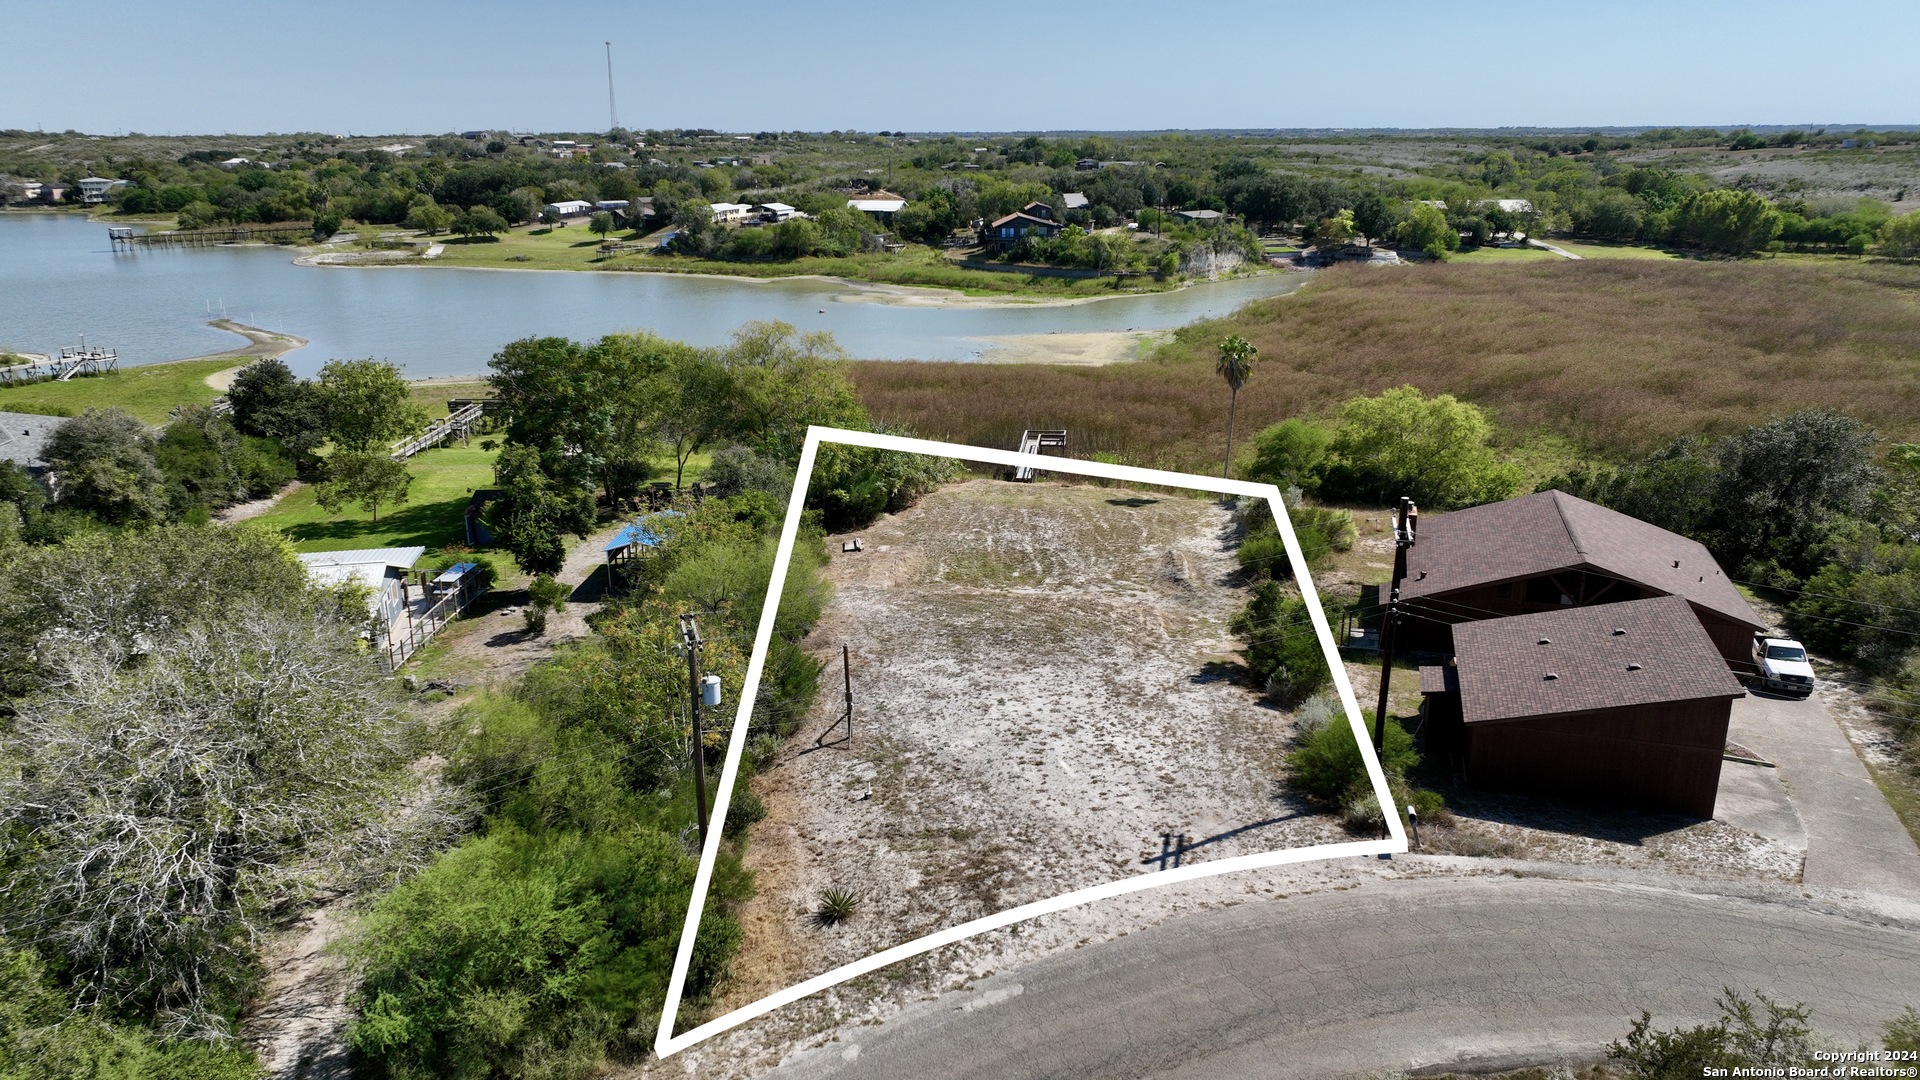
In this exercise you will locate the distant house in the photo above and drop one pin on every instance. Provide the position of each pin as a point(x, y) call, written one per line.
point(568, 209)
point(1198, 217)
point(1074, 200)
point(1624, 704)
point(729, 213)
point(880, 204)
point(1552, 550)
point(234, 163)
point(35, 191)
point(1038, 209)
point(1005, 232)
point(775, 212)
point(475, 136)
point(1086, 164)
point(23, 439)
point(95, 189)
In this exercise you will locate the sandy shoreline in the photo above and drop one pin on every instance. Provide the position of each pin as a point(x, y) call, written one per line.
point(261, 345)
point(1080, 349)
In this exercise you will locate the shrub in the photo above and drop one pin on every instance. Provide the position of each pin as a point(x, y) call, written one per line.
point(743, 811)
point(1283, 651)
point(1329, 769)
point(1289, 454)
point(1405, 443)
point(522, 953)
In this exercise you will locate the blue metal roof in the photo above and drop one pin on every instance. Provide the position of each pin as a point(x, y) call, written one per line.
point(647, 532)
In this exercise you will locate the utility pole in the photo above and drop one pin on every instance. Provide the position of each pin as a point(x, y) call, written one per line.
point(846, 672)
point(1406, 519)
point(613, 114)
point(690, 644)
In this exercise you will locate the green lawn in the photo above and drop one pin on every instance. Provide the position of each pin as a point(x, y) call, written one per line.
point(149, 391)
point(574, 248)
point(1500, 255)
point(1592, 249)
point(432, 517)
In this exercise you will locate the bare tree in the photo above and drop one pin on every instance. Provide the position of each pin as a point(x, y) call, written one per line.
point(156, 812)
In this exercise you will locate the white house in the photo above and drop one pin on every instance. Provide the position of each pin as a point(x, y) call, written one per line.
point(381, 571)
point(1074, 200)
point(729, 213)
point(94, 189)
point(881, 204)
point(776, 212)
point(568, 208)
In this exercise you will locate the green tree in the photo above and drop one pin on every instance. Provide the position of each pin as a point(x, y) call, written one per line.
point(479, 221)
point(371, 479)
point(428, 216)
point(1727, 220)
point(600, 224)
point(1900, 237)
point(270, 402)
point(103, 462)
point(1236, 367)
point(368, 404)
point(533, 512)
point(1374, 217)
point(780, 382)
point(1425, 229)
point(1433, 449)
point(1334, 231)
point(1781, 484)
point(591, 411)
point(1289, 454)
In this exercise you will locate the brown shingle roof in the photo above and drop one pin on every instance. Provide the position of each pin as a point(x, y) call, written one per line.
point(1019, 216)
point(1601, 657)
point(1552, 530)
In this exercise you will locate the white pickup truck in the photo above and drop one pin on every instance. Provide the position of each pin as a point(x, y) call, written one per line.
point(1783, 665)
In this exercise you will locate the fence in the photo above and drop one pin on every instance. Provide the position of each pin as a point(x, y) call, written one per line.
point(441, 602)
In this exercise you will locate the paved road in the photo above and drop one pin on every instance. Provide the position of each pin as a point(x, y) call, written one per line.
point(1394, 974)
point(1854, 841)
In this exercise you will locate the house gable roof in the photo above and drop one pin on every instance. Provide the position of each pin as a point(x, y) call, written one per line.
point(1552, 530)
point(1018, 215)
point(1574, 660)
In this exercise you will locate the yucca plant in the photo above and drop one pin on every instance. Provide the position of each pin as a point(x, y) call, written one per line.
point(837, 905)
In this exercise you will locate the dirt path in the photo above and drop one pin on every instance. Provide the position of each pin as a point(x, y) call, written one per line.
point(298, 1026)
point(261, 345)
point(256, 507)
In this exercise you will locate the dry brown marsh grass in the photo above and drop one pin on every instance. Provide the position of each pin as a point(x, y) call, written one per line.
point(1619, 355)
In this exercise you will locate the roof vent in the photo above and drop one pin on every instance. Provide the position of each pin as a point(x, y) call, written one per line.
point(1619, 630)
point(1550, 676)
point(1422, 577)
point(1546, 641)
point(1676, 564)
point(1633, 667)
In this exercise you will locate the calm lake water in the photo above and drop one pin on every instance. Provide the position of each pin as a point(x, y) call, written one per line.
point(59, 278)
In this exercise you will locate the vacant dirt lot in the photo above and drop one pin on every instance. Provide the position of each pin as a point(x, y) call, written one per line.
point(1043, 691)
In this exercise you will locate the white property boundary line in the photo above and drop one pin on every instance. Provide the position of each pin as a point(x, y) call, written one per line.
point(668, 1043)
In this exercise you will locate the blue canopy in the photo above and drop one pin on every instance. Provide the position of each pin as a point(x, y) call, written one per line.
point(649, 531)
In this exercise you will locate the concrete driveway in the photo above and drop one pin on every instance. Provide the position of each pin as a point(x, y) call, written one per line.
point(1854, 842)
point(1391, 975)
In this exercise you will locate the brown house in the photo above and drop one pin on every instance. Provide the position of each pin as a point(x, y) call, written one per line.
point(1625, 704)
point(1550, 550)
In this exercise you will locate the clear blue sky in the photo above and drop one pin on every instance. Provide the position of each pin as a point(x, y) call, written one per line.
point(211, 66)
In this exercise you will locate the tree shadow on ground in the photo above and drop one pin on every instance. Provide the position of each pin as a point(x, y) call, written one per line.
point(1135, 501)
point(424, 524)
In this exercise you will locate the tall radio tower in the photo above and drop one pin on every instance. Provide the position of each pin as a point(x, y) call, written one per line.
point(613, 114)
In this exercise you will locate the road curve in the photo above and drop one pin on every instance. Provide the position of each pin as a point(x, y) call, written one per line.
point(1389, 975)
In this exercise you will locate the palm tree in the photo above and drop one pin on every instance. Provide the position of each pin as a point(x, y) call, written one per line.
point(1235, 366)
